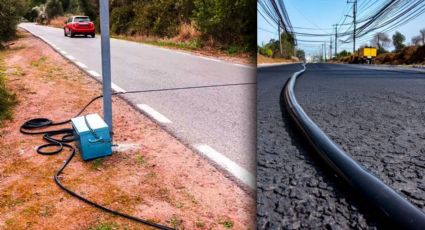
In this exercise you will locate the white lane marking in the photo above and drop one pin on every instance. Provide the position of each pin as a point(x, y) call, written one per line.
point(210, 59)
point(113, 85)
point(80, 64)
point(70, 57)
point(117, 88)
point(153, 113)
point(232, 167)
point(94, 73)
point(63, 52)
point(245, 66)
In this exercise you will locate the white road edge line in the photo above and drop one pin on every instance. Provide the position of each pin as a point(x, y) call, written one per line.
point(63, 52)
point(153, 113)
point(80, 64)
point(94, 73)
point(189, 54)
point(232, 167)
point(70, 57)
point(113, 85)
point(117, 88)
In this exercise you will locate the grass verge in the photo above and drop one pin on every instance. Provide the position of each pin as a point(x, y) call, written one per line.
point(7, 99)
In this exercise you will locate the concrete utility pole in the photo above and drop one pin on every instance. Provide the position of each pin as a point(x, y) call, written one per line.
point(280, 42)
point(336, 39)
point(354, 23)
point(324, 49)
point(106, 62)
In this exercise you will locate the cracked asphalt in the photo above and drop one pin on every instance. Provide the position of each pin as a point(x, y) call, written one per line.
point(375, 115)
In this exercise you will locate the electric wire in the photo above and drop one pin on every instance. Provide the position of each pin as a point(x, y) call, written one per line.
point(33, 126)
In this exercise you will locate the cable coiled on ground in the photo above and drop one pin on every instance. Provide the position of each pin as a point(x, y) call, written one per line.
point(33, 126)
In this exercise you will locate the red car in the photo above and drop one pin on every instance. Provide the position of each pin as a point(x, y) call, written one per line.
point(79, 25)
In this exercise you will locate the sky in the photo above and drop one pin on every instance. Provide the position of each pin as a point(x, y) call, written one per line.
point(319, 16)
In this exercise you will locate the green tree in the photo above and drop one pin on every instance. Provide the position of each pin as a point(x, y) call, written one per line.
point(422, 31)
point(53, 9)
point(398, 40)
point(65, 5)
point(121, 18)
point(227, 21)
point(343, 53)
point(10, 13)
point(381, 40)
point(88, 8)
point(300, 54)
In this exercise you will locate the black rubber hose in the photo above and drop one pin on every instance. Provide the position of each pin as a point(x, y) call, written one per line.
point(392, 205)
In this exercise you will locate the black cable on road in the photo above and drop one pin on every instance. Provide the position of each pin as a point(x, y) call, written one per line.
point(391, 205)
point(33, 127)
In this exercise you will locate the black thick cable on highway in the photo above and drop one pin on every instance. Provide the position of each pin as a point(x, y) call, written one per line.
point(33, 126)
point(391, 205)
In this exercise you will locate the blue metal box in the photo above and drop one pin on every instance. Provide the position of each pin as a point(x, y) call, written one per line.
point(92, 136)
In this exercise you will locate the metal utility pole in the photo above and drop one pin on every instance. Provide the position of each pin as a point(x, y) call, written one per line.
point(336, 39)
point(354, 23)
point(106, 62)
point(330, 49)
point(280, 42)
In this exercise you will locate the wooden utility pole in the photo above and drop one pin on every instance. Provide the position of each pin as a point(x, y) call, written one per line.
point(280, 41)
point(354, 23)
point(336, 39)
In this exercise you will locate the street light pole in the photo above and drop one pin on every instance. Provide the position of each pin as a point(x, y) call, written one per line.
point(106, 62)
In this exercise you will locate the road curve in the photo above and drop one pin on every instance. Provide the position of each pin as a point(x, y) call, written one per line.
point(215, 121)
point(295, 190)
point(394, 207)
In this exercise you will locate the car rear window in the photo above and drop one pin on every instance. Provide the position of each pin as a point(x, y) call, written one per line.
point(82, 19)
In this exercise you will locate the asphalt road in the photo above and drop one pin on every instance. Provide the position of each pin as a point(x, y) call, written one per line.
point(217, 121)
point(375, 115)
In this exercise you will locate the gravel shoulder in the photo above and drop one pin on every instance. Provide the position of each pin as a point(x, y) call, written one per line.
point(154, 177)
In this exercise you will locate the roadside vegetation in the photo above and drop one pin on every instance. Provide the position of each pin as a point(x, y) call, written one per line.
point(7, 99)
point(10, 14)
point(403, 54)
point(227, 26)
point(272, 53)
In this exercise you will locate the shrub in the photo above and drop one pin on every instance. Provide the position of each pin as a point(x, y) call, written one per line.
point(7, 99)
point(121, 18)
point(419, 56)
point(53, 9)
point(227, 21)
point(11, 12)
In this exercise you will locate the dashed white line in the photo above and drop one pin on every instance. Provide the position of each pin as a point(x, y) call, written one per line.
point(117, 88)
point(153, 113)
point(94, 73)
point(63, 52)
point(80, 64)
point(232, 167)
